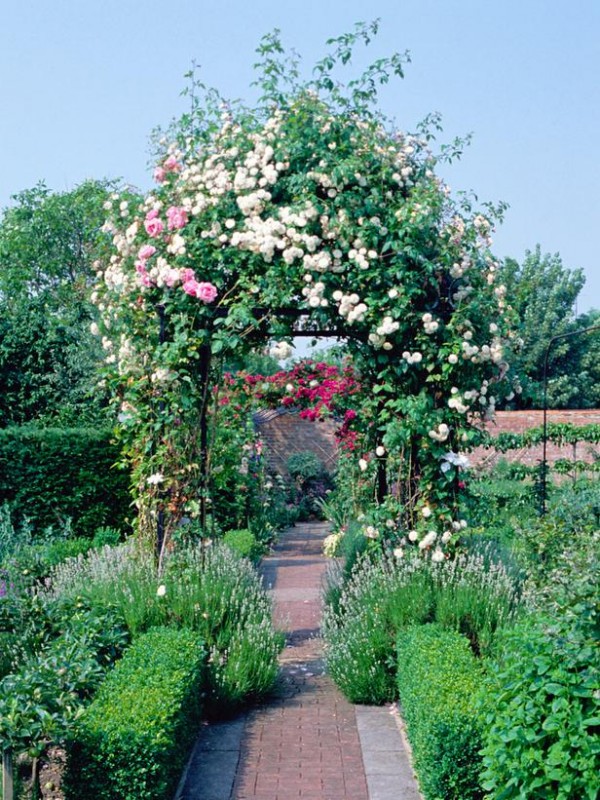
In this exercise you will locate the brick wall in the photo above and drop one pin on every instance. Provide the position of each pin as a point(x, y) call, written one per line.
point(520, 421)
point(284, 433)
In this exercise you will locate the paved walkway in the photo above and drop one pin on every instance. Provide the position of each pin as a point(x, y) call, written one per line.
point(308, 741)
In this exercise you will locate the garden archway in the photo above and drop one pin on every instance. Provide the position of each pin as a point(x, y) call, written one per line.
point(307, 206)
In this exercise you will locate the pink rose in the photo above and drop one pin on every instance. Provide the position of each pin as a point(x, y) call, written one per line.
point(190, 286)
point(143, 277)
point(177, 217)
point(171, 164)
point(171, 277)
point(203, 291)
point(160, 175)
point(153, 225)
point(147, 251)
point(206, 292)
point(187, 274)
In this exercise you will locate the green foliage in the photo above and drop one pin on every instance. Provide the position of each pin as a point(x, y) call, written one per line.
point(305, 466)
point(66, 650)
point(560, 433)
point(505, 516)
point(207, 589)
point(244, 543)
point(33, 563)
point(48, 356)
point(107, 536)
point(544, 716)
point(132, 742)
point(542, 294)
point(576, 506)
point(543, 708)
point(470, 594)
point(311, 483)
point(438, 681)
point(50, 475)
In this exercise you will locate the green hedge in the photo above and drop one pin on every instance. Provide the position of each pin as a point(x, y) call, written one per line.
point(132, 742)
point(51, 474)
point(438, 680)
point(244, 543)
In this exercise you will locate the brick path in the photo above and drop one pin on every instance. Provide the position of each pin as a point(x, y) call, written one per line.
point(305, 743)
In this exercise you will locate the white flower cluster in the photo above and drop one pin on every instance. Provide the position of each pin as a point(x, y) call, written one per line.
point(314, 294)
point(281, 351)
point(458, 269)
point(441, 433)
point(412, 358)
point(162, 375)
point(371, 532)
point(428, 540)
point(429, 323)
point(457, 403)
point(360, 255)
point(387, 328)
point(350, 306)
point(452, 459)
point(331, 543)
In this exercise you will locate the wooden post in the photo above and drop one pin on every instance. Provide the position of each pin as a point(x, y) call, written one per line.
point(7, 775)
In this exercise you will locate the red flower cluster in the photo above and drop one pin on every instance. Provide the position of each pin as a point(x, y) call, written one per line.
point(317, 389)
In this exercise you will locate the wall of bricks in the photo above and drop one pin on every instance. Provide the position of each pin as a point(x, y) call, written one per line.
point(520, 421)
point(285, 433)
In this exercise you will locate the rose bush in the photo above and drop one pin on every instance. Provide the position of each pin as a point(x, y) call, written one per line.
point(306, 209)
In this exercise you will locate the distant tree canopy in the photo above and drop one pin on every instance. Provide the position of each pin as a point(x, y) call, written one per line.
point(48, 357)
point(543, 293)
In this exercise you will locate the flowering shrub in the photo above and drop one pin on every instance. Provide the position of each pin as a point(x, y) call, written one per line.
point(307, 207)
point(207, 589)
point(384, 594)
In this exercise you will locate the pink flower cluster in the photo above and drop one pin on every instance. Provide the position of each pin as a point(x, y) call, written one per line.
point(153, 224)
point(201, 289)
point(176, 218)
point(170, 164)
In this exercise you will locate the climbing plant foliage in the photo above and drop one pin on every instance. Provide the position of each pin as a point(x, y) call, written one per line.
point(307, 208)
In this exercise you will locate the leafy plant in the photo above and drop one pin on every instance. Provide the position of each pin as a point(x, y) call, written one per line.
point(205, 588)
point(61, 666)
point(543, 708)
point(244, 543)
point(51, 475)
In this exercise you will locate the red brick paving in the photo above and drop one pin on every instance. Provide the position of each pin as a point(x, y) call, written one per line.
point(305, 743)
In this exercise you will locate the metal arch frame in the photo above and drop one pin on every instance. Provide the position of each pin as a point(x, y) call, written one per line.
point(544, 463)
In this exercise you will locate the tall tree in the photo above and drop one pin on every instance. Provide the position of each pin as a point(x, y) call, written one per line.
point(48, 245)
point(542, 293)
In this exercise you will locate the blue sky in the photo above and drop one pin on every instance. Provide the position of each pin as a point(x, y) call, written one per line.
point(82, 84)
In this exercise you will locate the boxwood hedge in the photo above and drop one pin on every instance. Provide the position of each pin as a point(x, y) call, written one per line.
point(132, 741)
point(438, 681)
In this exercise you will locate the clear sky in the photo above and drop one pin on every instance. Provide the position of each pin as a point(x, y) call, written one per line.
point(83, 83)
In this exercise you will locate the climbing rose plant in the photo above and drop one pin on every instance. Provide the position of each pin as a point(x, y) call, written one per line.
point(309, 203)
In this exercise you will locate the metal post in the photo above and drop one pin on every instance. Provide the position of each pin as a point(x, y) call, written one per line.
point(160, 519)
point(205, 362)
point(544, 464)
